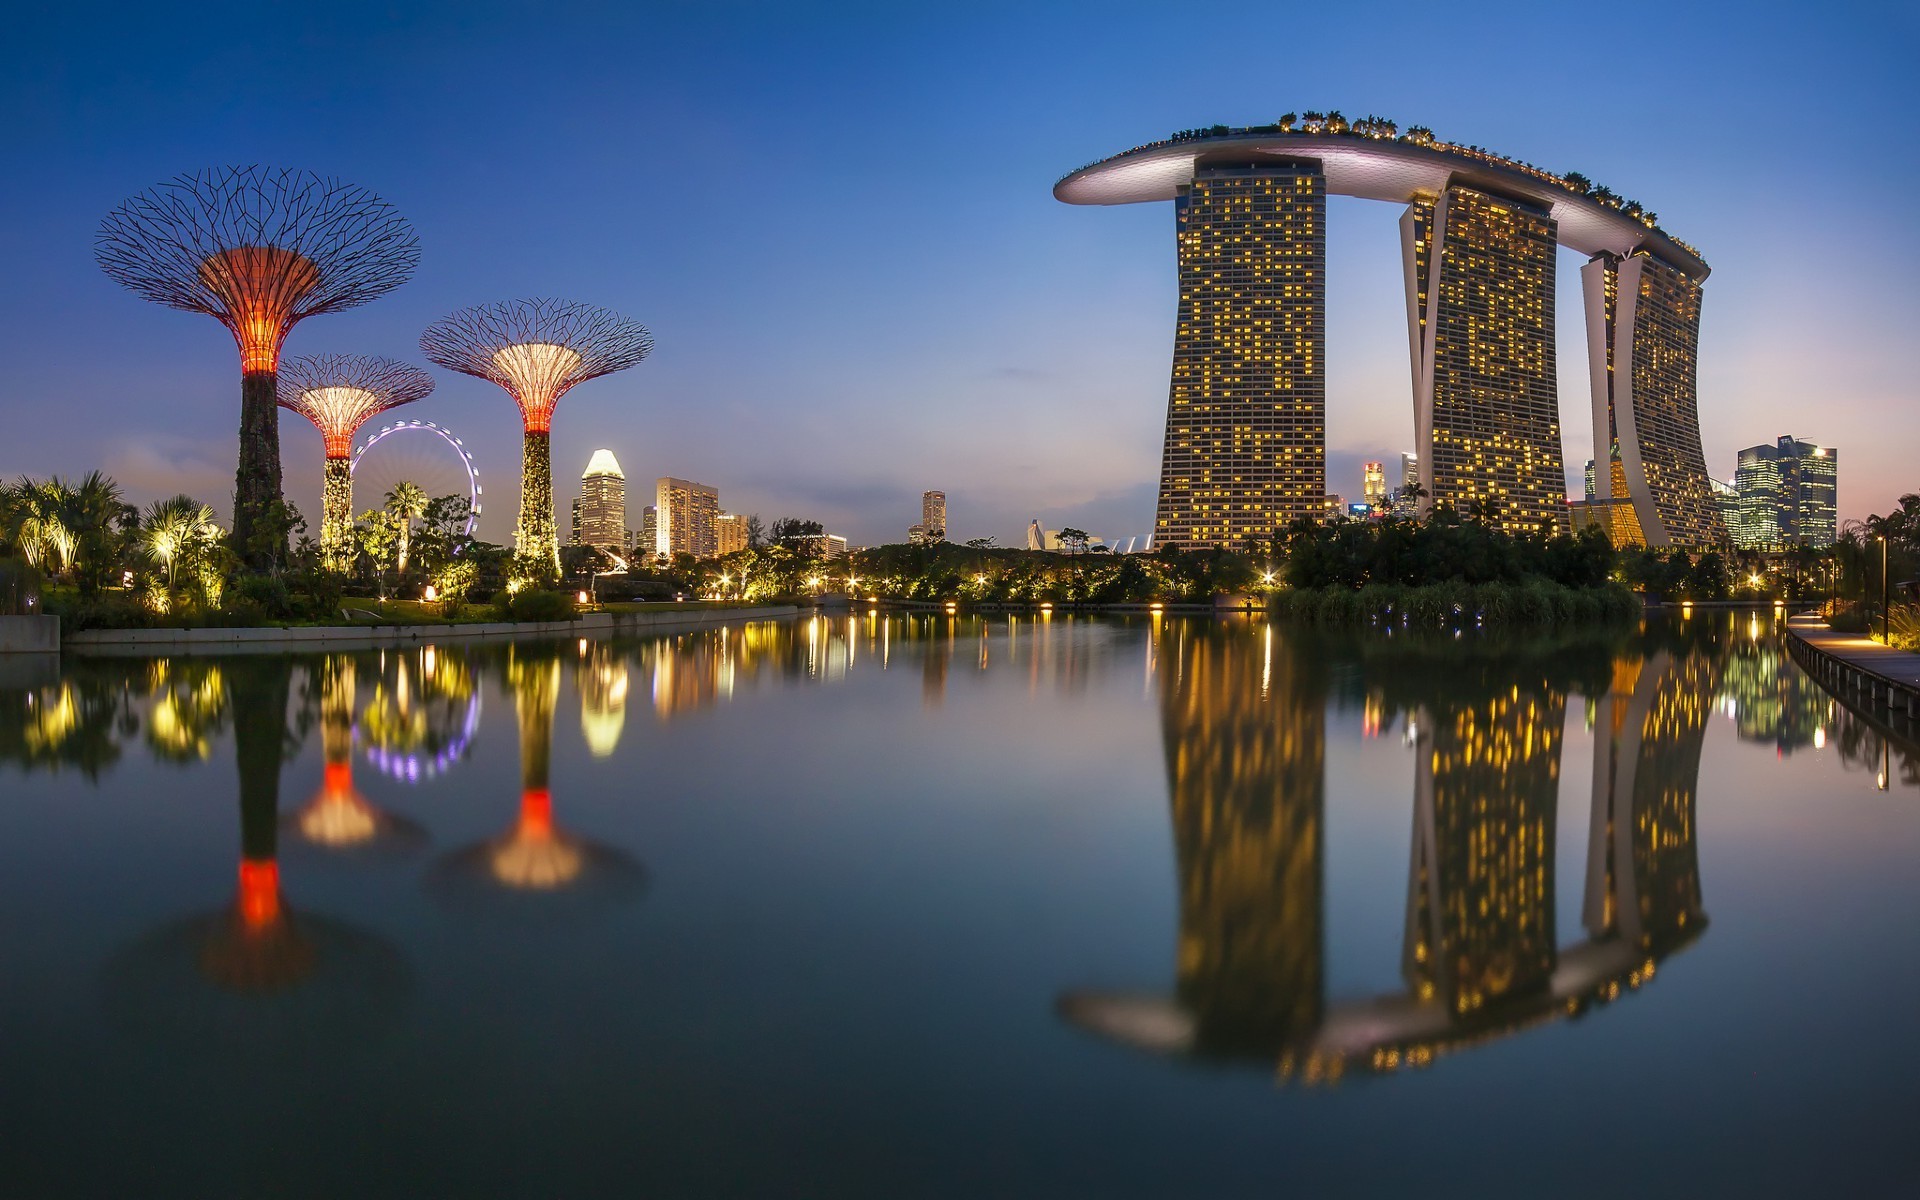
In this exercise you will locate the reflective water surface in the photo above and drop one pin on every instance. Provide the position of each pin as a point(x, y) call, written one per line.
point(924, 905)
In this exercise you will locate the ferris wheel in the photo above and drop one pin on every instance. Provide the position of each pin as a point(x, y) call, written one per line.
point(421, 453)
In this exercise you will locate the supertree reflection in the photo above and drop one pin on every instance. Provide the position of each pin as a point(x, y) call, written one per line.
point(536, 857)
point(255, 975)
point(339, 818)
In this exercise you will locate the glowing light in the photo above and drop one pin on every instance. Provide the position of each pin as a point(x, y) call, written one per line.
point(1820, 737)
point(581, 597)
point(258, 288)
point(538, 374)
point(430, 593)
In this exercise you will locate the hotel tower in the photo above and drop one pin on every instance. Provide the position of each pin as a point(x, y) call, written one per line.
point(1245, 451)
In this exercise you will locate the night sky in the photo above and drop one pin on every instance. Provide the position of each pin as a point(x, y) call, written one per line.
point(838, 222)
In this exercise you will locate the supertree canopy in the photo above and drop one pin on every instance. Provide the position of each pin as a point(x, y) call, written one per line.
point(339, 393)
point(536, 350)
point(258, 249)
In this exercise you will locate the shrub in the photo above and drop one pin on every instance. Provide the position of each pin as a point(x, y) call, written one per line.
point(530, 605)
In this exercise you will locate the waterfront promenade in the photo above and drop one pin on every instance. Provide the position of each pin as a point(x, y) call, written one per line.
point(1857, 668)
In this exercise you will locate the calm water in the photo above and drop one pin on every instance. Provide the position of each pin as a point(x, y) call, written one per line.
point(931, 906)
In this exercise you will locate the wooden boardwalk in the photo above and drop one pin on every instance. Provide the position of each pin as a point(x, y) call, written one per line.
point(1860, 671)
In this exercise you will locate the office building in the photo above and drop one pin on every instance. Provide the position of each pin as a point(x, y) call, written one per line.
point(646, 539)
point(916, 535)
point(688, 514)
point(730, 533)
point(600, 515)
point(933, 516)
point(1788, 495)
point(1373, 488)
point(820, 545)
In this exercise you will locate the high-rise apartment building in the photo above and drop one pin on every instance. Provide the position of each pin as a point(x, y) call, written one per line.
point(688, 514)
point(601, 517)
point(1479, 270)
point(1373, 488)
point(1245, 450)
point(933, 516)
point(1643, 330)
point(1788, 495)
point(730, 533)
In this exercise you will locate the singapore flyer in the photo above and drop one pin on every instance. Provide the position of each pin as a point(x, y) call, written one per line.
point(421, 453)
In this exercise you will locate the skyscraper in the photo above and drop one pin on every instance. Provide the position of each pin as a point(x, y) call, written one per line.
point(646, 539)
point(1374, 488)
point(1788, 495)
point(1245, 451)
point(1479, 271)
point(601, 518)
point(685, 523)
point(933, 516)
point(730, 533)
point(1643, 329)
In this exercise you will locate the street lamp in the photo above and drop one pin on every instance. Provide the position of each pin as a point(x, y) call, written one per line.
point(1886, 594)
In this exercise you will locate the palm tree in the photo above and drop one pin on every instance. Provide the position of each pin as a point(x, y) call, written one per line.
point(173, 532)
point(36, 526)
point(92, 510)
point(405, 502)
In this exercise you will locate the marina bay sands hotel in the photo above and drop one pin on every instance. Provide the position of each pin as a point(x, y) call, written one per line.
point(1245, 451)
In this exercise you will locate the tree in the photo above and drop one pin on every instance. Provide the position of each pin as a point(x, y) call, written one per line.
point(404, 503)
point(801, 537)
point(1073, 540)
point(756, 532)
point(981, 543)
point(36, 524)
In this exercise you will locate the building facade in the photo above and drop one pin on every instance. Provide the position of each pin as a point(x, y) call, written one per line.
point(1643, 330)
point(1245, 451)
point(601, 517)
point(1788, 495)
point(933, 516)
point(730, 533)
point(1373, 488)
point(1479, 272)
point(687, 518)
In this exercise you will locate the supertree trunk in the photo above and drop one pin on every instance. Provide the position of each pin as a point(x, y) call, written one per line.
point(336, 521)
point(256, 485)
point(535, 537)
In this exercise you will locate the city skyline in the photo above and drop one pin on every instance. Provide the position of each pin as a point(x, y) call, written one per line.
point(1077, 351)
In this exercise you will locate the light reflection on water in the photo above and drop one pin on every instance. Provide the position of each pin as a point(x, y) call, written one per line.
point(850, 868)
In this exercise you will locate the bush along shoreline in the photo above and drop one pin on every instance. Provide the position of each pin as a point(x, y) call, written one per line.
point(1459, 606)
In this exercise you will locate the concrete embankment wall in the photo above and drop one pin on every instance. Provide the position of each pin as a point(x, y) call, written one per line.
point(29, 635)
point(362, 637)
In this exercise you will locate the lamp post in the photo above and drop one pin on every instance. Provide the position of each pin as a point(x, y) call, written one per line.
point(1885, 594)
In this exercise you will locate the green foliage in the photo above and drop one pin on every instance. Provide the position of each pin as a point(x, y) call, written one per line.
point(453, 582)
point(531, 604)
point(20, 585)
point(1455, 605)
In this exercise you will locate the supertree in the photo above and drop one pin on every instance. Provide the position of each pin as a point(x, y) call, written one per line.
point(537, 350)
point(339, 393)
point(258, 249)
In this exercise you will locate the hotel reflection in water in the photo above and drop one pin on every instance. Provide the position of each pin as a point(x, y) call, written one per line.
point(1243, 712)
point(1243, 720)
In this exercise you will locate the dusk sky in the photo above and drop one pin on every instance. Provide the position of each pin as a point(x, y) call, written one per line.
point(838, 222)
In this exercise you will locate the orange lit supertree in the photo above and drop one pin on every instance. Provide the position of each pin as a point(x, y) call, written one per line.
point(339, 393)
point(258, 249)
point(536, 350)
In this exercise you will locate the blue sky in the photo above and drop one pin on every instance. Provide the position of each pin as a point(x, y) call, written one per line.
point(838, 221)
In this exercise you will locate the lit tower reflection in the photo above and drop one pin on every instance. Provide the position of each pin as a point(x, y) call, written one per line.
point(1243, 724)
point(603, 698)
point(339, 817)
point(536, 856)
point(1480, 895)
point(1242, 719)
point(278, 978)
